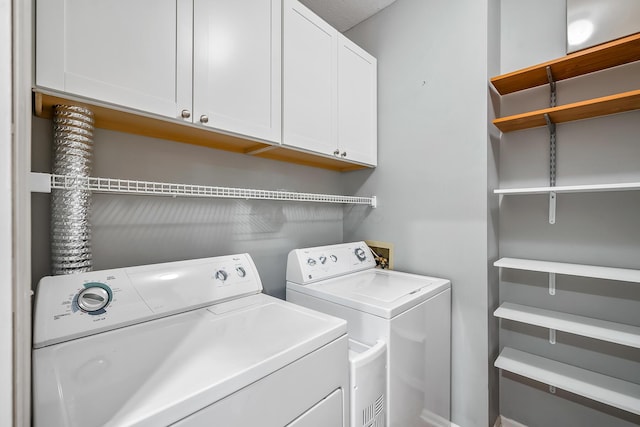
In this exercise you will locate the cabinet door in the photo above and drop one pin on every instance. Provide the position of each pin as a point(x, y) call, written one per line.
point(129, 53)
point(357, 103)
point(309, 75)
point(237, 66)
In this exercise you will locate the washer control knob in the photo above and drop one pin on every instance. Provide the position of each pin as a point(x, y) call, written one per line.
point(333, 258)
point(204, 119)
point(323, 259)
point(311, 262)
point(185, 114)
point(221, 275)
point(93, 298)
point(241, 271)
point(360, 254)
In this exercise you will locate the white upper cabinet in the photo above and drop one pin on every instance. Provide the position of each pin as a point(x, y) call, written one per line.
point(215, 63)
point(310, 80)
point(129, 53)
point(329, 89)
point(237, 66)
point(357, 103)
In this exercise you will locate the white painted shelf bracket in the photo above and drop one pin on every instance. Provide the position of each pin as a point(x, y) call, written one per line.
point(552, 207)
point(44, 183)
point(552, 336)
point(552, 389)
point(552, 283)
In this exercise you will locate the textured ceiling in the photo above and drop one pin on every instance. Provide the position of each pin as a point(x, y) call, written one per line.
point(344, 14)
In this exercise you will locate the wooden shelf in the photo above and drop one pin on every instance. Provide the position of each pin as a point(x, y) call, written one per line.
point(139, 123)
point(607, 55)
point(601, 388)
point(592, 188)
point(582, 270)
point(606, 105)
point(579, 325)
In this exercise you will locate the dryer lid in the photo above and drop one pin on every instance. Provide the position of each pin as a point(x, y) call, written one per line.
point(382, 293)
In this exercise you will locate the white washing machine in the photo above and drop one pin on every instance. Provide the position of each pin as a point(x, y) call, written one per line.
point(411, 313)
point(190, 343)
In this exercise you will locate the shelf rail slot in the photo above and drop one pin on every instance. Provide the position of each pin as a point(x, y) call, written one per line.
point(552, 88)
point(552, 166)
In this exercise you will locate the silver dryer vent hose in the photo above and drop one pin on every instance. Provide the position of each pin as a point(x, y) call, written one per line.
point(70, 209)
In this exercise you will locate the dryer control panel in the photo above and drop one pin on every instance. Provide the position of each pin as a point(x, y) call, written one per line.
point(76, 305)
point(309, 265)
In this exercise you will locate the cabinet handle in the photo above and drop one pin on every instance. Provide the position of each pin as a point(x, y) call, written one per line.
point(337, 152)
point(204, 119)
point(186, 114)
point(344, 154)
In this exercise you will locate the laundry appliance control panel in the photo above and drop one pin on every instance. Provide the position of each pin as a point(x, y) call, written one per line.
point(310, 265)
point(76, 305)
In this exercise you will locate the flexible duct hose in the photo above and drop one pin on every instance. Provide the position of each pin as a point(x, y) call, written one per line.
point(70, 209)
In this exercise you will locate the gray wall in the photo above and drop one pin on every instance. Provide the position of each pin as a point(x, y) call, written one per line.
point(591, 228)
point(134, 230)
point(435, 164)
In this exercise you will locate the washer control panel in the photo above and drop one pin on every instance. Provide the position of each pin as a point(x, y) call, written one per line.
point(72, 306)
point(309, 265)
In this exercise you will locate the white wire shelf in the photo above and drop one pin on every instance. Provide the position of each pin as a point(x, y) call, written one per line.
point(44, 183)
point(602, 388)
point(603, 330)
point(583, 270)
point(594, 188)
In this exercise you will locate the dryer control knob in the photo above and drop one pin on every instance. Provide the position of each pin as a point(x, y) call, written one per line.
point(93, 299)
point(323, 259)
point(311, 262)
point(333, 258)
point(360, 254)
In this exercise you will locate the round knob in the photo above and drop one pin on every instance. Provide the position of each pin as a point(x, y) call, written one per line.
point(93, 298)
point(204, 119)
point(323, 259)
point(311, 262)
point(360, 254)
point(186, 114)
point(333, 258)
point(335, 153)
point(241, 271)
point(221, 275)
point(344, 154)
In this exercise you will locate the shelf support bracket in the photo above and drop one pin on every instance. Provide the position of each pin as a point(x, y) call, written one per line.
point(552, 168)
point(552, 336)
point(552, 389)
point(552, 283)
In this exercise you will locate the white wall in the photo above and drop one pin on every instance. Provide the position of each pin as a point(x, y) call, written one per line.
point(134, 230)
point(6, 266)
point(432, 176)
point(595, 228)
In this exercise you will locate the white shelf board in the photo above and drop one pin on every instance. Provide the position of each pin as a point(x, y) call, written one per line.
point(602, 388)
point(611, 273)
point(585, 326)
point(44, 183)
point(627, 186)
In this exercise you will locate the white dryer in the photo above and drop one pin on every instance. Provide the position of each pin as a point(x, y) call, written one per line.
point(411, 313)
point(190, 343)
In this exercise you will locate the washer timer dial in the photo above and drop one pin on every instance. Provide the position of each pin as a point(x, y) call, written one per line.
point(94, 298)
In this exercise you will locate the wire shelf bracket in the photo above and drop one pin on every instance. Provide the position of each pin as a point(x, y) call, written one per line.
point(44, 183)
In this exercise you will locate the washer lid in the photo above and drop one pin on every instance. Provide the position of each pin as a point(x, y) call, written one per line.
point(159, 372)
point(383, 293)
